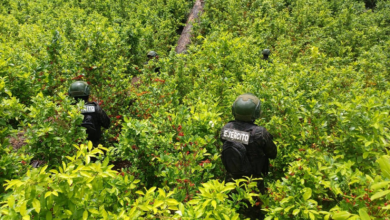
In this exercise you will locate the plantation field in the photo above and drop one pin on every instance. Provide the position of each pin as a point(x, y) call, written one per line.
point(324, 98)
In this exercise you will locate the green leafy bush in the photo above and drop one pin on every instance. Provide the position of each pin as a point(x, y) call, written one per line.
point(81, 189)
point(53, 126)
point(324, 99)
point(12, 163)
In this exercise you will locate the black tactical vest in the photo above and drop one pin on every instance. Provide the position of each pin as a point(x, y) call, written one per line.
point(260, 142)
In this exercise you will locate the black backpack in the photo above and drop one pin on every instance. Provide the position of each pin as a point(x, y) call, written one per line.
point(234, 153)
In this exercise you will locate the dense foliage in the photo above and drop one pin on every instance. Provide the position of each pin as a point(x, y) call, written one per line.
point(325, 99)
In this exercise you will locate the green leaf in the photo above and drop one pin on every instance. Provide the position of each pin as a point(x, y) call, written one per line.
point(93, 211)
point(106, 161)
point(132, 211)
point(296, 211)
point(11, 202)
point(312, 217)
point(12, 183)
point(181, 208)
point(49, 216)
point(363, 214)
point(162, 192)
point(54, 193)
point(384, 164)
point(214, 204)
point(288, 208)
point(47, 194)
point(380, 185)
point(285, 200)
point(82, 173)
point(228, 188)
point(326, 217)
point(225, 216)
point(104, 213)
point(43, 169)
point(341, 215)
point(235, 217)
point(278, 209)
point(90, 145)
point(199, 213)
point(172, 202)
point(22, 209)
point(307, 193)
point(368, 143)
point(380, 194)
point(143, 208)
point(157, 203)
point(140, 192)
point(387, 207)
point(85, 215)
point(151, 190)
point(37, 205)
point(193, 202)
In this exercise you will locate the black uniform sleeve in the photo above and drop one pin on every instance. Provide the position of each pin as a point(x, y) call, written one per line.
point(269, 147)
point(103, 118)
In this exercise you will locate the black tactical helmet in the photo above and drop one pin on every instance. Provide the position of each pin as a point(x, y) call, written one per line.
point(246, 107)
point(266, 52)
point(79, 89)
point(152, 54)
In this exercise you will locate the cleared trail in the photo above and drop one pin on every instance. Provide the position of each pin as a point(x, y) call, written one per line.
point(185, 37)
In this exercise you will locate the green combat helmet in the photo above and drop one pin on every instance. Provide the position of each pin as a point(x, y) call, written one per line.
point(246, 107)
point(79, 89)
point(152, 54)
point(266, 52)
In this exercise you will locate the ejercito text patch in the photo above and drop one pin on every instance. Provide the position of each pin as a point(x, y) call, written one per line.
point(235, 135)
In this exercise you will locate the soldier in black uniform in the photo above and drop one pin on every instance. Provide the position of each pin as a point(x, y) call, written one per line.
point(94, 116)
point(247, 147)
point(266, 53)
point(153, 57)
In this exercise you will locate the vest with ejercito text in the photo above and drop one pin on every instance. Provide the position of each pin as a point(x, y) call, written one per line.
point(258, 142)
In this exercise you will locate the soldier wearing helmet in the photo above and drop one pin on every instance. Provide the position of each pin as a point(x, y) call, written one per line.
point(153, 58)
point(94, 116)
point(266, 53)
point(152, 54)
point(247, 147)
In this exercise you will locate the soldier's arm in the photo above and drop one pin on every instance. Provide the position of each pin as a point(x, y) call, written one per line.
point(266, 141)
point(105, 119)
point(270, 148)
